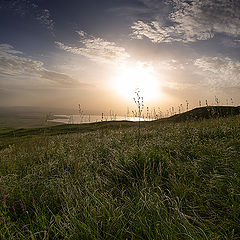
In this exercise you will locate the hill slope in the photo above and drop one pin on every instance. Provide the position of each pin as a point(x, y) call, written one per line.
point(204, 113)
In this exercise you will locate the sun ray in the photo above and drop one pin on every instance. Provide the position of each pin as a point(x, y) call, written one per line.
point(142, 77)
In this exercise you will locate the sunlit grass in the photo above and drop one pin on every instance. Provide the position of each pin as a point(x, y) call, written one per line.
point(182, 182)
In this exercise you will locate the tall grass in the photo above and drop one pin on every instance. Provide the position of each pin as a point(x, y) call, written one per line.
point(92, 185)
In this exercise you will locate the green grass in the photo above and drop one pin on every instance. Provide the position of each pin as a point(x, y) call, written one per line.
point(10, 136)
point(95, 182)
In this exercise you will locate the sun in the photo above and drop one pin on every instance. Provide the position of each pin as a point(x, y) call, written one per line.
point(141, 77)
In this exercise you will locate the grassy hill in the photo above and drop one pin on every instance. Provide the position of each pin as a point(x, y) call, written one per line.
point(173, 180)
point(204, 113)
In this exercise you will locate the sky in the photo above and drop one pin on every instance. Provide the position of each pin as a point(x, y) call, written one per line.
point(99, 53)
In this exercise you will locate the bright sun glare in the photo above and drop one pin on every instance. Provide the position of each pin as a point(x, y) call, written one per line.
point(140, 77)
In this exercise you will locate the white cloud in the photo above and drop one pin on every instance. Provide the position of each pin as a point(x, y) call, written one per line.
point(11, 64)
point(45, 19)
point(191, 21)
point(7, 49)
point(81, 33)
point(14, 66)
point(97, 49)
point(219, 72)
point(154, 31)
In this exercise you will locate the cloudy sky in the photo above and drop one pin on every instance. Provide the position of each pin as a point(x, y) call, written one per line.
point(61, 53)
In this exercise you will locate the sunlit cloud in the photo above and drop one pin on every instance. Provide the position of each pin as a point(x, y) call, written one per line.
point(97, 49)
point(219, 71)
point(190, 21)
point(211, 73)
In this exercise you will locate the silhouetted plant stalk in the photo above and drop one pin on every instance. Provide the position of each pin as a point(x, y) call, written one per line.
point(187, 104)
point(217, 101)
point(80, 111)
point(181, 106)
point(160, 113)
point(140, 105)
point(139, 102)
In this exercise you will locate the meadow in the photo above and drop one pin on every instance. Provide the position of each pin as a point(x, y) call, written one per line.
point(170, 180)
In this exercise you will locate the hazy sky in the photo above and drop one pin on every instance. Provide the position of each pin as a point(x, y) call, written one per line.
point(61, 53)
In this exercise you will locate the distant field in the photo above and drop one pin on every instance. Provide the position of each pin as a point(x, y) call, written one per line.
point(105, 181)
point(23, 117)
point(23, 121)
